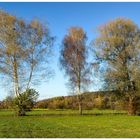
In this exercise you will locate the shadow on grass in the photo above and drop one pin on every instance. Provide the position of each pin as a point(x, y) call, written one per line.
point(74, 114)
point(99, 114)
point(58, 113)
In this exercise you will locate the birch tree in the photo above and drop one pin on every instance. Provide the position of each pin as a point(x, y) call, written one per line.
point(73, 60)
point(24, 53)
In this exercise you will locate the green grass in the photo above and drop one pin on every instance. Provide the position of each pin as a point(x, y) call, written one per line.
point(68, 124)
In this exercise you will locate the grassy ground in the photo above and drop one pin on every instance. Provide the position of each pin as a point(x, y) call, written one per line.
point(67, 124)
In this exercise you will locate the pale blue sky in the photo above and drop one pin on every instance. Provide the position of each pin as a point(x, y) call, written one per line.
point(60, 16)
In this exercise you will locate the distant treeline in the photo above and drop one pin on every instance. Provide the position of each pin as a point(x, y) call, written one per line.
point(90, 100)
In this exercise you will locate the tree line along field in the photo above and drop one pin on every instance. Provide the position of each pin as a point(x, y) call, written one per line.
point(90, 100)
point(69, 124)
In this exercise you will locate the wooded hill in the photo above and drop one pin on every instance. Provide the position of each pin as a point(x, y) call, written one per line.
point(90, 100)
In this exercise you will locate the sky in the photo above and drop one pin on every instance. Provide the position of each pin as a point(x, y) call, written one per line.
point(60, 16)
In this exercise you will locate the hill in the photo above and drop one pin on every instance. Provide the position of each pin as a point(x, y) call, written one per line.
point(90, 100)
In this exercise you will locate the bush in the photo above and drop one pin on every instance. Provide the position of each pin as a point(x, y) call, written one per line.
point(26, 100)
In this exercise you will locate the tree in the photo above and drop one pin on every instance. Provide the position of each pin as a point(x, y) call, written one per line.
point(24, 53)
point(73, 60)
point(28, 99)
point(8, 102)
point(118, 45)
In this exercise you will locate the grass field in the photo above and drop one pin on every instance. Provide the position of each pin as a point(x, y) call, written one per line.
point(68, 124)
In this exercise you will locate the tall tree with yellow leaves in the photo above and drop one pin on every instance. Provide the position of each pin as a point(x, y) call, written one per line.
point(118, 44)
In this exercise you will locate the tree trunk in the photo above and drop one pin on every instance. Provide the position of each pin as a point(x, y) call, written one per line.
point(131, 106)
point(80, 104)
point(21, 111)
point(80, 109)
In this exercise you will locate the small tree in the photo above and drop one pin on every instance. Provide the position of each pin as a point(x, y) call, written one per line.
point(73, 60)
point(118, 45)
point(28, 99)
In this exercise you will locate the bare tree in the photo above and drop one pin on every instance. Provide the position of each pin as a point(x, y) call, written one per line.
point(24, 52)
point(73, 60)
point(118, 44)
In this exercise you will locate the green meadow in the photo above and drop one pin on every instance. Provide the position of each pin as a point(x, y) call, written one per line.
point(68, 124)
